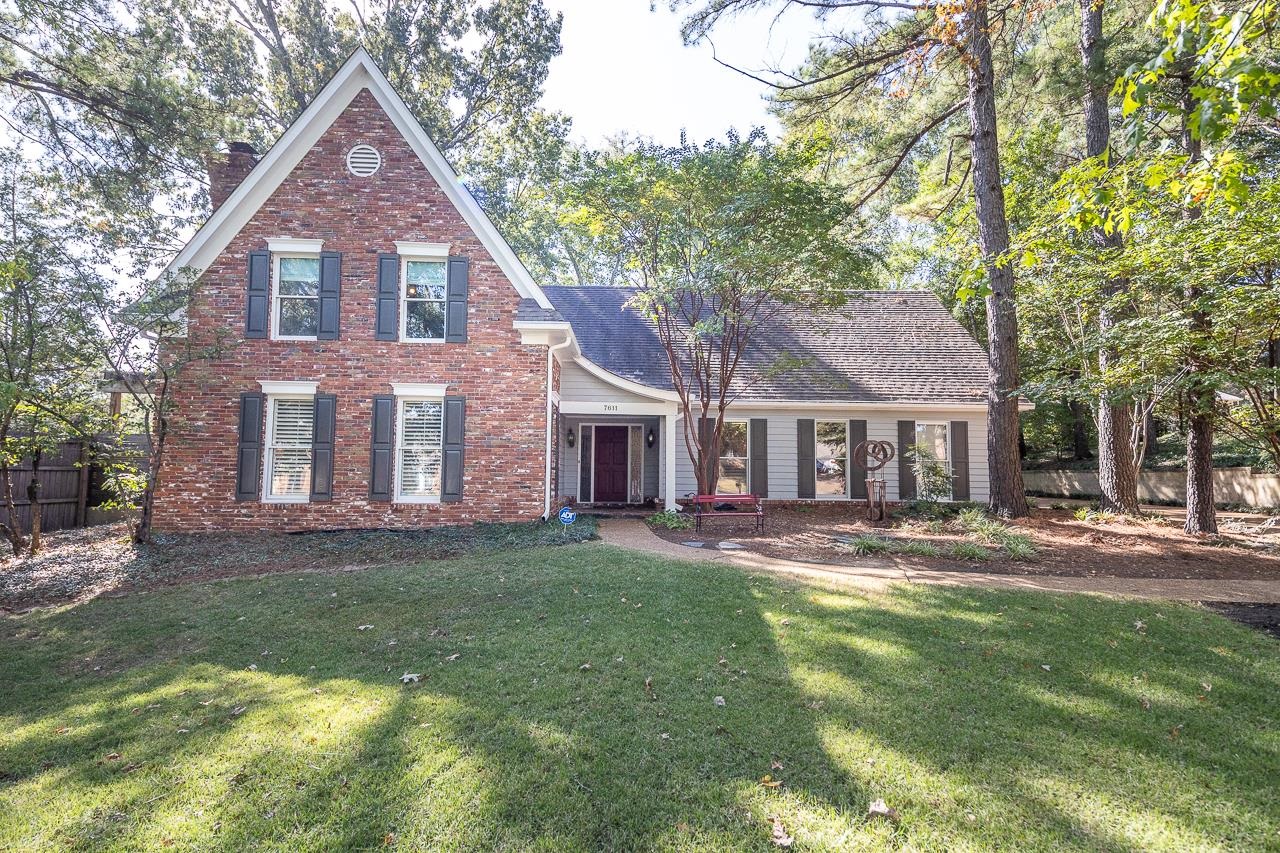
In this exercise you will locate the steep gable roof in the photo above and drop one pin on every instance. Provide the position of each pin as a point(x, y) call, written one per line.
point(897, 346)
point(358, 73)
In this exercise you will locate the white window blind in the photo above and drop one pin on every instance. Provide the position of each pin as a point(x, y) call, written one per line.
point(421, 435)
point(289, 449)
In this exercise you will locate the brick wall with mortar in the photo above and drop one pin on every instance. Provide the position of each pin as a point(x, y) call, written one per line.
point(503, 380)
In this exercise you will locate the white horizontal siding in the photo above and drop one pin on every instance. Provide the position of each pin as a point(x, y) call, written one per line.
point(882, 425)
point(580, 386)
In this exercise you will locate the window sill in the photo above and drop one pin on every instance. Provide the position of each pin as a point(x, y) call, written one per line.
point(422, 341)
point(406, 499)
point(286, 500)
point(293, 339)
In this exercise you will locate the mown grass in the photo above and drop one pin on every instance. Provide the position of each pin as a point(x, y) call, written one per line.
point(567, 701)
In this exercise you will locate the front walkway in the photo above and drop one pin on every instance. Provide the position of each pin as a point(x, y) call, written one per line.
point(876, 574)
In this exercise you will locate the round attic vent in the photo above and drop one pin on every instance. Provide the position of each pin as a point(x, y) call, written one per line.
point(363, 160)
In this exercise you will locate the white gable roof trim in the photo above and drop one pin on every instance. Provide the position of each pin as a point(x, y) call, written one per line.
point(357, 73)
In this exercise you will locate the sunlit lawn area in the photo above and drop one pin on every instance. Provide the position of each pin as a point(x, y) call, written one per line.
point(255, 712)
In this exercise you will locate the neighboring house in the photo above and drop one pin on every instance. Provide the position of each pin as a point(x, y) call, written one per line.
point(391, 363)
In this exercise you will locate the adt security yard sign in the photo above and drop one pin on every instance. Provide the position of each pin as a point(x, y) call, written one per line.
point(568, 516)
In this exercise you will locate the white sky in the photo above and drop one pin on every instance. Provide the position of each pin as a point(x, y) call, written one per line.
point(624, 68)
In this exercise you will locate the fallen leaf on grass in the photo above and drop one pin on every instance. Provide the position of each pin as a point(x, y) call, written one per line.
point(453, 657)
point(648, 689)
point(363, 627)
point(779, 834)
point(237, 710)
point(775, 764)
point(1175, 732)
point(1045, 667)
point(719, 701)
point(1206, 686)
point(1145, 703)
point(585, 666)
point(63, 730)
point(410, 677)
point(767, 781)
point(112, 756)
point(880, 809)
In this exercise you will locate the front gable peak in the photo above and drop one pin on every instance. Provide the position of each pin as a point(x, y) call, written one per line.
point(357, 74)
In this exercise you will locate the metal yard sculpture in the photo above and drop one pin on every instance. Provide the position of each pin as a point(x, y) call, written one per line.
point(875, 455)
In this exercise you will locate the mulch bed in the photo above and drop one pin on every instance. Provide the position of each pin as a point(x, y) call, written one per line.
point(1263, 617)
point(78, 564)
point(1064, 546)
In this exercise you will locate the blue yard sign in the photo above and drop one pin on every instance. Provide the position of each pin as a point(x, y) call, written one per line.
point(568, 516)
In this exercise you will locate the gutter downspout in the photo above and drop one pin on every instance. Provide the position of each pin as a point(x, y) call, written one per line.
point(546, 476)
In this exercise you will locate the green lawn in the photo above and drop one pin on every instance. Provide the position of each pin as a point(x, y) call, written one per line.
point(987, 720)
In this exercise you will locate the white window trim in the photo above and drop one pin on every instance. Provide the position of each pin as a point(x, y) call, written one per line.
point(951, 496)
point(720, 457)
point(419, 391)
point(268, 450)
point(275, 291)
point(845, 496)
point(397, 497)
point(429, 257)
point(288, 245)
point(423, 251)
point(288, 389)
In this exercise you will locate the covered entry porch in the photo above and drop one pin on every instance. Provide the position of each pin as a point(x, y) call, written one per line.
point(617, 454)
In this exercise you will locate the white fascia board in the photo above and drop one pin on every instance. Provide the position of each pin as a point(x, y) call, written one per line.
point(291, 245)
point(625, 384)
point(814, 405)
point(419, 389)
point(303, 389)
point(357, 73)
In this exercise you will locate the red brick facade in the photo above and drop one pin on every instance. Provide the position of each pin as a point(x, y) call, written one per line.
point(503, 380)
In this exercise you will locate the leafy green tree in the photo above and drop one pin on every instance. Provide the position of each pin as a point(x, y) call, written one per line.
point(719, 239)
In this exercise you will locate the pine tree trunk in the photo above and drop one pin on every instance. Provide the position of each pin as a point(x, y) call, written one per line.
point(1008, 497)
point(1080, 449)
point(1201, 515)
point(1117, 474)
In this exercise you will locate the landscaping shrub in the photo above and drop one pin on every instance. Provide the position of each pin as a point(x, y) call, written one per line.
point(993, 531)
point(918, 548)
point(866, 545)
point(969, 551)
point(671, 520)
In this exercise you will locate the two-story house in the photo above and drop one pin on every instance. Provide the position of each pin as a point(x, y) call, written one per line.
point(393, 364)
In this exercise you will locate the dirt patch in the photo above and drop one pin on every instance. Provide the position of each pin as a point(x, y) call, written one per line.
point(1064, 546)
point(1263, 617)
point(79, 564)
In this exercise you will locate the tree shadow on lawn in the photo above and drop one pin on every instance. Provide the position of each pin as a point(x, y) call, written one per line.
point(933, 699)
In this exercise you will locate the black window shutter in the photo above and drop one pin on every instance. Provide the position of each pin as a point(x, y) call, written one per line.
point(455, 326)
point(259, 299)
point(330, 295)
point(857, 464)
point(249, 447)
point(387, 320)
point(384, 441)
point(586, 436)
point(906, 477)
point(960, 460)
point(758, 454)
point(455, 423)
point(806, 459)
point(322, 447)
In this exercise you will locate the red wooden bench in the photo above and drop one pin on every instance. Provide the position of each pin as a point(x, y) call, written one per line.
point(704, 507)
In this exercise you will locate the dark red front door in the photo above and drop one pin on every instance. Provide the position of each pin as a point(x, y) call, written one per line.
point(611, 464)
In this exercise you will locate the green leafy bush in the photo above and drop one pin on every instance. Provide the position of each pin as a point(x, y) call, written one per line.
point(671, 520)
point(866, 545)
point(918, 548)
point(969, 551)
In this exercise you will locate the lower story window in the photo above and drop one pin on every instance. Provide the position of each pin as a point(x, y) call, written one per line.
point(733, 459)
point(831, 442)
point(418, 450)
point(291, 421)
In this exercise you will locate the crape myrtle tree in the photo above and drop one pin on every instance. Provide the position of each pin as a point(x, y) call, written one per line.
point(719, 239)
point(939, 54)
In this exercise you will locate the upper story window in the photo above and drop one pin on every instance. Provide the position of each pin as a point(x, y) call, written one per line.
point(424, 278)
point(424, 300)
point(295, 294)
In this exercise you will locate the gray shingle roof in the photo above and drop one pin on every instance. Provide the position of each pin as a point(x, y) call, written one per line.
point(530, 311)
point(881, 346)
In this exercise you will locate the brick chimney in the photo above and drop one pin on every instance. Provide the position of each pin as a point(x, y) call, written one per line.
point(226, 171)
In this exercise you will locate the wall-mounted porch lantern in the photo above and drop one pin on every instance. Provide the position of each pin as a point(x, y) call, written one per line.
point(650, 438)
point(569, 439)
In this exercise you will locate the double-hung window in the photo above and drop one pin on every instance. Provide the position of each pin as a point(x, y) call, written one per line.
point(419, 448)
point(831, 445)
point(287, 469)
point(423, 285)
point(733, 459)
point(295, 295)
point(935, 438)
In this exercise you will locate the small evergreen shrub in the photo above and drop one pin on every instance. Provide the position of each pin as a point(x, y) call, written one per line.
point(671, 520)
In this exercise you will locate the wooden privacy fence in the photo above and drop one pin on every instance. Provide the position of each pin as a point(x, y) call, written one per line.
point(70, 483)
